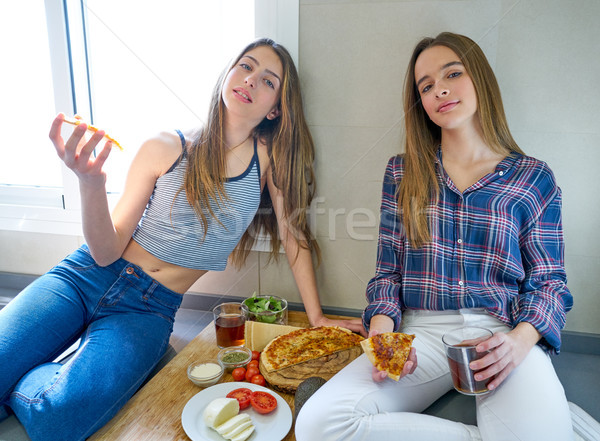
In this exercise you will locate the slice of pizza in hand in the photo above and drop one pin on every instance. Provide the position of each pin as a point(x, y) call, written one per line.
point(388, 352)
point(78, 120)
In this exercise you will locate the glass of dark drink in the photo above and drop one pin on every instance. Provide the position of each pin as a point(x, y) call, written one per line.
point(229, 324)
point(460, 350)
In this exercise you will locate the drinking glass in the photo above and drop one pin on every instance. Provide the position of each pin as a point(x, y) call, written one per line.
point(460, 350)
point(229, 324)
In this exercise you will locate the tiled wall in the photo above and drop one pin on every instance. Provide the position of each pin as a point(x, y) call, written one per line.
point(353, 57)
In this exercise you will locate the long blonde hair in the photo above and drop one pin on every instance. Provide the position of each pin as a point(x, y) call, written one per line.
point(291, 152)
point(419, 187)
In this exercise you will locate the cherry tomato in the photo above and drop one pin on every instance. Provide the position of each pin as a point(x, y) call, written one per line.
point(239, 374)
point(258, 379)
point(251, 372)
point(263, 402)
point(243, 395)
point(253, 363)
point(255, 355)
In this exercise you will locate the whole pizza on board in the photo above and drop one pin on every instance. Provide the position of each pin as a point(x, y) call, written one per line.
point(306, 344)
point(289, 359)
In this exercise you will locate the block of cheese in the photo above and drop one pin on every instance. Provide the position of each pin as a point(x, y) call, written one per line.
point(258, 335)
point(220, 410)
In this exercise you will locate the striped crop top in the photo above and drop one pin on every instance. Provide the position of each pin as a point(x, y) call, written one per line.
point(171, 231)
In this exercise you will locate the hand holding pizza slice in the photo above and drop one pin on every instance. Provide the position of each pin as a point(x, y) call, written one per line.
point(77, 120)
point(388, 352)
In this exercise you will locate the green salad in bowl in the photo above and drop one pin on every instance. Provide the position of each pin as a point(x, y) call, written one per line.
point(266, 309)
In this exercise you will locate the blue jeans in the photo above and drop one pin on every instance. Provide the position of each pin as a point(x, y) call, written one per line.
point(124, 319)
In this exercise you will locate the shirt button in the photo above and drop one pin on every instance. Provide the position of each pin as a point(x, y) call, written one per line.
point(129, 270)
point(459, 240)
point(501, 173)
point(461, 283)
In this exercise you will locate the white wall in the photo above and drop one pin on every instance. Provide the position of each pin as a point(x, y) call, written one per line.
point(353, 57)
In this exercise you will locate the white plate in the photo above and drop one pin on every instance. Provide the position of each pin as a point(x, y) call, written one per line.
point(270, 427)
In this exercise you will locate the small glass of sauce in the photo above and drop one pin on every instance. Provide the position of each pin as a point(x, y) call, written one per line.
point(205, 373)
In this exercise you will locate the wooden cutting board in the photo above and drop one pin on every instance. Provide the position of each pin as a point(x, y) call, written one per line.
point(287, 379)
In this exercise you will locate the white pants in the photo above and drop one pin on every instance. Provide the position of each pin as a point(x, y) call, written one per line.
point(530, 405)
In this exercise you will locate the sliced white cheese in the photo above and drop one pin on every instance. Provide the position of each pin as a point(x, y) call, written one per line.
point(220, 410)
point(232, 424)
point(237, 430)
point(244, 435)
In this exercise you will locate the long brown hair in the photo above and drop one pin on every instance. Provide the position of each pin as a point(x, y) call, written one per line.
point(419, 187)
point(291, 152)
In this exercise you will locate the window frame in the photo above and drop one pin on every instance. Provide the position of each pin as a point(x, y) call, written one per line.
point(58, 210)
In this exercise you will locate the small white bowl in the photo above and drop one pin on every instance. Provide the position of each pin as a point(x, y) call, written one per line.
point(205, 373)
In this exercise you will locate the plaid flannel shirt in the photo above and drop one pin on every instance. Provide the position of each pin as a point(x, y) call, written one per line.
point(498, 245)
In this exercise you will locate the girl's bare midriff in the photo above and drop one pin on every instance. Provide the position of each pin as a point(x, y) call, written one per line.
point(174, 277)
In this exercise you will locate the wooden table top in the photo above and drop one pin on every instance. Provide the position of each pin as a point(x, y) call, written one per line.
point(154, 412)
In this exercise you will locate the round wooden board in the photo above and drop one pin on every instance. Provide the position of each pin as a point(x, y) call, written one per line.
point(287, 379)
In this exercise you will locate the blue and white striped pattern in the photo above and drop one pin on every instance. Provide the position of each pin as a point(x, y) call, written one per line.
point(498, 245)
point(171, 230)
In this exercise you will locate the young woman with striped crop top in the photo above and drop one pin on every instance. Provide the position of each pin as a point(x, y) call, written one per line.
point(189, 203)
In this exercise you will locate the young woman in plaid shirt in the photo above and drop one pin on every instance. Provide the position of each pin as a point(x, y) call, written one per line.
point(470, 234)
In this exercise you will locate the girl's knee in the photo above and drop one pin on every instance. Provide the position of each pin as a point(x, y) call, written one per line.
point(325, 422)
point(46, 411)
point(311, 422)
point(46, 420)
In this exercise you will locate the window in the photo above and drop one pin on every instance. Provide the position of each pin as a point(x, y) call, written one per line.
point(155, 69)
point(132, 68)
point(26, 90)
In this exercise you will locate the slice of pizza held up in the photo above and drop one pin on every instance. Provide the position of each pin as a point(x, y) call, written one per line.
point(77, 120)
point(388, 352)
point(306, 344)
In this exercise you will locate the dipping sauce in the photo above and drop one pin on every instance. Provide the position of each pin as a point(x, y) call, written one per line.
point(205, 370)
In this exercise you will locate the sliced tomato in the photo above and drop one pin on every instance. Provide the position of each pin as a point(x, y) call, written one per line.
point(263, 402)
point(243, 395)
